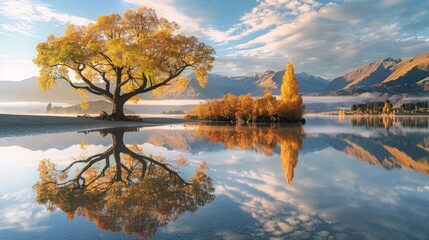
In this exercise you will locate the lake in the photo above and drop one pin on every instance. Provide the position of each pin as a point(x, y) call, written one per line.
point(333, 178)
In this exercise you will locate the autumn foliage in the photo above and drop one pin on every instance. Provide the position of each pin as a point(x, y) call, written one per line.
point(248, 109)
point(119, 57)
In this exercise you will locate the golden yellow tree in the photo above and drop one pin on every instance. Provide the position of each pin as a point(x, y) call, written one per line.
point(387, 108)
point(289, 88)
point(120, 57)
point(290, 107)
point(244, 107)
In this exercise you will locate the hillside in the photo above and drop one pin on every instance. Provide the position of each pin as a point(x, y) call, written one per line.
point(365, 76)
point(389, 75)
point(410, 70)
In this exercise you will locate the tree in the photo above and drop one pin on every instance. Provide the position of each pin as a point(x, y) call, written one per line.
point(229, 107)
point(387, 108)
point(291, 107)
point(289, 88)
point(120, 57)
point(376, 106)
point(244, 107)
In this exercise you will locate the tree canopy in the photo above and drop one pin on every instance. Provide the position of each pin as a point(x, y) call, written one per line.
point(120, 57)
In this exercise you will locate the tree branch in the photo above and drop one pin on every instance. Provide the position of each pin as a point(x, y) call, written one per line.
point(103, 76)
point(143, 89)
point(104, 92)
point(79, 87)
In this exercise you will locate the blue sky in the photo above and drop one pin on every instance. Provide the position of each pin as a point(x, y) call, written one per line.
point(325, 38)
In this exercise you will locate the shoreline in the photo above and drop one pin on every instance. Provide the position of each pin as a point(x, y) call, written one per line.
point(16, 125)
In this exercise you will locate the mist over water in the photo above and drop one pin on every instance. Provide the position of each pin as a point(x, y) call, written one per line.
point(313, 104)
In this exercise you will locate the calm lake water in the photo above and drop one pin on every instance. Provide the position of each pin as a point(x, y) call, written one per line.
point(347, 178)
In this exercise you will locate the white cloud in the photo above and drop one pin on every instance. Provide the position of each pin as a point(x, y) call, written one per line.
point(24, 13)
point(267, 14)
point(335, 36)
point(190, 25)
point(23, 28)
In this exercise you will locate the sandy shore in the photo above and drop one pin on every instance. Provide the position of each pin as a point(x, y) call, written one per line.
point(21, 125)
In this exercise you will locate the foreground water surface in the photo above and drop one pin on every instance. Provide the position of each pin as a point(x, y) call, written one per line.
point(334, 178)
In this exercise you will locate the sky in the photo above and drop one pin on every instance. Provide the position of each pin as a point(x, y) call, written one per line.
point(321, 37)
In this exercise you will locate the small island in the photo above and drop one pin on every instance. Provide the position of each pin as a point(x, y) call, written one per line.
point(245, 108)
point(178, 112)
point(92, 107)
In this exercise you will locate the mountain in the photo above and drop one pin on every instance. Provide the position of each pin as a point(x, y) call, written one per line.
point(365, 76)
point(273, 80)
point(389, 75)
point(409, 71)
point(218, 85)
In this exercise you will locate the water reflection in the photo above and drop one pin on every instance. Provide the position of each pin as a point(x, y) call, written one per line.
point(122, 188)
point(263, 139)
point(386, 121)
point(401, 146)
point(355, 179)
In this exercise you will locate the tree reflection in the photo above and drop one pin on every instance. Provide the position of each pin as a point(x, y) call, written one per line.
point(122, 189)
point(387, 121)
point(263, 139)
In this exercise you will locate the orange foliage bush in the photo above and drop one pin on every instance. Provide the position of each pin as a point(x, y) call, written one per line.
point(245, 108)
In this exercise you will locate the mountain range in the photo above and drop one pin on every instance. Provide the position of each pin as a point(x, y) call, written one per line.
point(389, 75)
point(218, 85)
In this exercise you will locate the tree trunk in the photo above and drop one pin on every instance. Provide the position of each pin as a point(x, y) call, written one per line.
point(118, 110)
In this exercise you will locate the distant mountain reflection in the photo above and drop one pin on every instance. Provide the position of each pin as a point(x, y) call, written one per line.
point(122, 189)
point(398, 147)
point(405, 144)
